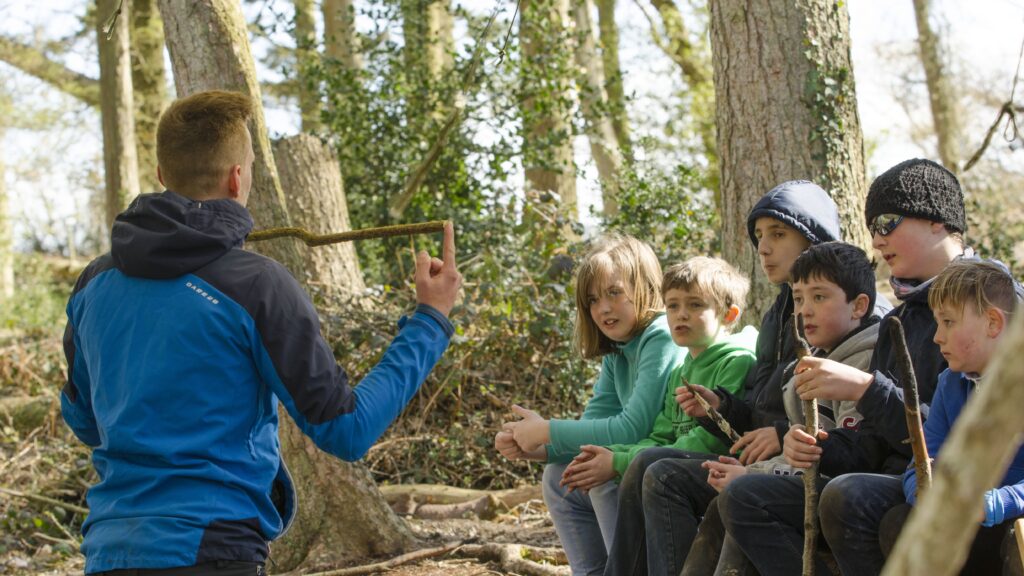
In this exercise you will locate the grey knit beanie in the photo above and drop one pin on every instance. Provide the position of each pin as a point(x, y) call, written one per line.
point(921, 189)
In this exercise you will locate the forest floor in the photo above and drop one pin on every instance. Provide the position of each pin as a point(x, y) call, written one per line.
point(530, 526)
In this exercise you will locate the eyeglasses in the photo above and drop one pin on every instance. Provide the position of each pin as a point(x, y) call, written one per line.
point(884, 224)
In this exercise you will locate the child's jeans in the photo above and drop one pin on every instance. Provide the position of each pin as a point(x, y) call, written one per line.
point(585, 523)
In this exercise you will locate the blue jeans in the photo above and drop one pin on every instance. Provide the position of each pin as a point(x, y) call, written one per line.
point(714, 551)
point(585, 523)
point(851, 510)
point(764, 514)
point(662, 498)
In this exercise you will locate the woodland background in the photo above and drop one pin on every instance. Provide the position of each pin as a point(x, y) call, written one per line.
point(532, 134)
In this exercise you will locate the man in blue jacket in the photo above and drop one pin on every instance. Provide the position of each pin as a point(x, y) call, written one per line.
point(179, 346)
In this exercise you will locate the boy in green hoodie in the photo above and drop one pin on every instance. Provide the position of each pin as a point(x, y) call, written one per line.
point(702, 297)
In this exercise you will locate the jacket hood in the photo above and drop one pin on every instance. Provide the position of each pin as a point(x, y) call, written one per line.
point(802, 205)
point(167, 235)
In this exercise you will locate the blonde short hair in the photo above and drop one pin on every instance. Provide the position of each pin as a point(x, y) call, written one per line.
point(711, 278)
point(639, 267)
point(981, 283)
point(200, 137)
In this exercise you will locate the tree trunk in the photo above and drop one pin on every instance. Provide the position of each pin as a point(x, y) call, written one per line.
point(697, 73)
point(316, 201)
point(149, 85)
point(786, 109)
point(974, 458)
point(120, 160)
point(547, 102)
point(940, 94)
point(340, 40)
point(306, 57)
point(209, 49)
point(6, 233)
point(342, 516)
point(604, 144)
point(609, 34)
point(427, 27)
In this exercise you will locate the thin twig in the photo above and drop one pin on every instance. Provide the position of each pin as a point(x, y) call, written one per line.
point(911, 406)
point(45, 500)
point(811, 474)
point(364, 234)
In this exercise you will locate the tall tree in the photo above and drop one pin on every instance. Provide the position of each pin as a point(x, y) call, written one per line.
point(945, 116)
point(6, 229)
point(306, 57)
point(785, 109)
point(547, 100)
point(609, 34)
point(604, 142)
point(149, 85)
point(210, 49)
point(117, 105)
point(340, 41)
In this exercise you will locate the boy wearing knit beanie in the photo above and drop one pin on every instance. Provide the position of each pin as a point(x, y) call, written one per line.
point(915, 212)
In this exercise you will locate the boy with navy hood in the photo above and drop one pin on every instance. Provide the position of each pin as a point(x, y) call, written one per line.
point(667, 487)
point(179, 346)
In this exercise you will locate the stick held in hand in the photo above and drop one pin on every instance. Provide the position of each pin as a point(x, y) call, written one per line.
point(811, 474)
point(717, 418)
point(911, 405)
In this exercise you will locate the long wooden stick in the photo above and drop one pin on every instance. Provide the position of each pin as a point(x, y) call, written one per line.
point(811, 474)
point(388, 564)
point(363, 234)
point(911, 405)
point(715, 416)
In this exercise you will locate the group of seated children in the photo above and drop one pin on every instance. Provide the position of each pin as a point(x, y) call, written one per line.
point(646, 482)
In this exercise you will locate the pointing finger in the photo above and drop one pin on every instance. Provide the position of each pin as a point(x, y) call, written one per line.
point(448, 252)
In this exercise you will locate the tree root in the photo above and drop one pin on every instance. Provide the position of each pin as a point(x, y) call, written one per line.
point(438, 502)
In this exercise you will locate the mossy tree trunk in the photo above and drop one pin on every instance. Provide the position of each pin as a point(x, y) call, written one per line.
point(605, 147)
point(609, 35)
point(340, 41)
point(547, 100)
point(943, 103)
point(786, 109)
point(149, 85)
point(117, 105)
point(209, 48)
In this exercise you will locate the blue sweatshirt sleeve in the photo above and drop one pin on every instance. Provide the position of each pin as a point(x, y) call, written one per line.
point(299, 366)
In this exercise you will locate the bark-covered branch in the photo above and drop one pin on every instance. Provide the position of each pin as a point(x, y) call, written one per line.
point(36, 63)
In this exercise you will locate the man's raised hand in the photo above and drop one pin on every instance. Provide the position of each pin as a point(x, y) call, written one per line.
point(438, 281)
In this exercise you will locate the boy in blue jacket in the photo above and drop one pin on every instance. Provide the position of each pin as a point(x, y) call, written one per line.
point(972, 302)
point(179, 346)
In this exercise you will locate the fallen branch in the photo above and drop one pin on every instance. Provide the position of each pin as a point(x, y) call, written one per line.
point(44, 500)
point(441, 494)
point(811, 474)
point(352, 235)
point(388, 564)
point(484, 508)
point(519, 559)
point(911, 406)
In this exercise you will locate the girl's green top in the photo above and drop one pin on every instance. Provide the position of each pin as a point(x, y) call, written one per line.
point(627, 397)
point(724, 364)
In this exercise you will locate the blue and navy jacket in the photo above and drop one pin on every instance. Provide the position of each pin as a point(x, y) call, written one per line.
point(179, 346)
